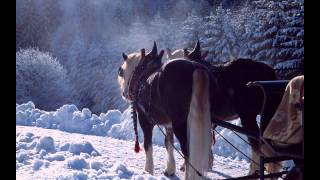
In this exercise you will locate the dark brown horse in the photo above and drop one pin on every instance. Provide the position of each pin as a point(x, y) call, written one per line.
point(176, 95)
point(230, 96)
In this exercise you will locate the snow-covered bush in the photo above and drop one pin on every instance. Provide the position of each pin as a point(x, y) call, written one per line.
point(46, 143)
point(41, 79)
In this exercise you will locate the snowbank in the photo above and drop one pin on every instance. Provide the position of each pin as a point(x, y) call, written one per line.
point(113, 124)
point(222, 148)
point(53, 156)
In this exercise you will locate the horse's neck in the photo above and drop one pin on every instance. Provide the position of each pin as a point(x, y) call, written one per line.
point(149, 100)
point(146, 88)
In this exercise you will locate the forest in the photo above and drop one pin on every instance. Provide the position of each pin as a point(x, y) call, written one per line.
point(68, 51)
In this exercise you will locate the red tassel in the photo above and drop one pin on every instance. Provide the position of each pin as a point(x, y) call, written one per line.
point(136, 147)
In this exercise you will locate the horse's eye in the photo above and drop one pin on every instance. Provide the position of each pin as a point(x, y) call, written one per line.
point(120, 72)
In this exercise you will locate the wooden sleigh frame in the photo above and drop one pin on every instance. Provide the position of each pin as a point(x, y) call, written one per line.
point(273, 92)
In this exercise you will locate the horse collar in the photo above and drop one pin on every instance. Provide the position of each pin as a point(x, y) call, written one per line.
point(135, 82)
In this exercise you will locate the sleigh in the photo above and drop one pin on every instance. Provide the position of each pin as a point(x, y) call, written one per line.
point(274, 98)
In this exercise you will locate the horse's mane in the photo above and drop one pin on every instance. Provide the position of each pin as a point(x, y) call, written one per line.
point(134, 56)
point(218, 67)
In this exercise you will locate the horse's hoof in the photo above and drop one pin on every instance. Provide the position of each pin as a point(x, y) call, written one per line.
point(182, 168)
point(148, 171)
point(168, 174)
point(252, 173)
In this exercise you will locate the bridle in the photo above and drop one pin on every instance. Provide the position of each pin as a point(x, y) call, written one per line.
point(147, 65)
point(133, 83)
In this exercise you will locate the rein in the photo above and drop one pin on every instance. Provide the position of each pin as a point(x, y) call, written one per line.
point(132, 95)
point(132, 84)
point(134, 117)
point(135, 84)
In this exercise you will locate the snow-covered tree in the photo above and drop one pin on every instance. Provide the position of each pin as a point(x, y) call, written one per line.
point(41, 79)
point(88, 37)
point(224, 33)
point(191, 29)
point(279, 36)
point(28, 24)
point(290, 38)
point(268, 31)
point(168, 33)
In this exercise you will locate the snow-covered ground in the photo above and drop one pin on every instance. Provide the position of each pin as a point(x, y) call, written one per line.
point(53, 154)
point(73, 144)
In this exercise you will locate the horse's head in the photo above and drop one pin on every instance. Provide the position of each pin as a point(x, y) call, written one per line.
point(125, 71)
point(136, 66)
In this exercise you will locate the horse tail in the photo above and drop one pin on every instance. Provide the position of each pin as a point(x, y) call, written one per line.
point(134, 117)
point(199, 125)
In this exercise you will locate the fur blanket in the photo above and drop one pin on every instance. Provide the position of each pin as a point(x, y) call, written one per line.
point(285, 127)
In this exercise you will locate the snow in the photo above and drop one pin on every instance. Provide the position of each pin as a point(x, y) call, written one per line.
point(83, 147)
point(55, 157)
point(271, 31)
point(117, 159)
point(64, 145)
point(287, 64)
point(46, 143)
point(77, 163)
point(113, 124)
point(221, 148)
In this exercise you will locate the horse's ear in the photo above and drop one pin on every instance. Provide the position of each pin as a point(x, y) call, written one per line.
point(154, 49)
point(125, 57)
point(204, 55)
point(143, 53)
point(195, 54)
point(186, 53)
point(168, 51)
point(161, 54)
point(197, 47)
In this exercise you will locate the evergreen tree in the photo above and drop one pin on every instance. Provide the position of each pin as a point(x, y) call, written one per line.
point(279, 36)
point(224, 35)
point(191, 30)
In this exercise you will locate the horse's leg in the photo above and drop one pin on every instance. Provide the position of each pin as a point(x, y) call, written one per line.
point(270, 167)
point(171, 164)
point(183, 166)
point(199, 126)
point(147, 133)
point(149, 166)
point(269, 110)
point(210, 161)
point(299, 163)
point(180, 130)
point(248, 122)
point(256, 152)
point(213, 141)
